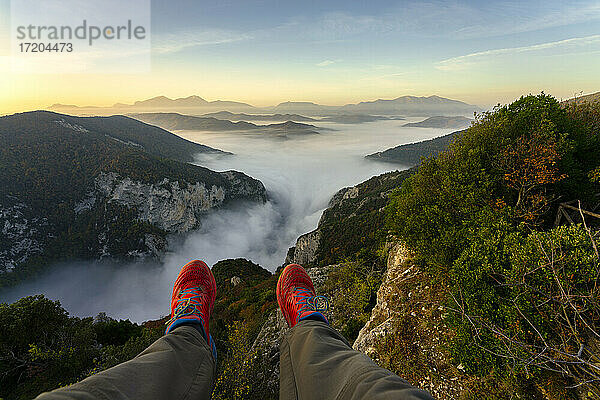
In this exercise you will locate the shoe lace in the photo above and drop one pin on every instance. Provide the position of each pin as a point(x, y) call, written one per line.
point(308, 302)
point(188, 305)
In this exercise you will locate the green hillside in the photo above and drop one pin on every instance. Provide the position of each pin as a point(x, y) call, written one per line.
point(588, 98)
point(412, 154)
point(136, 134)
point(49, 167)
point(521, 293)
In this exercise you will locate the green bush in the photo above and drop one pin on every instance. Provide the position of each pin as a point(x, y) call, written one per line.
point(114, 354)
point(42, 347)
point(479, 218)
point(354, 290)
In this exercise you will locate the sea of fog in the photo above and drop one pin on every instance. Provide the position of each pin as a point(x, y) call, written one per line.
point(300, 174)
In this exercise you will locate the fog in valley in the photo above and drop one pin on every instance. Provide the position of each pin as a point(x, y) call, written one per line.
point(300, 174)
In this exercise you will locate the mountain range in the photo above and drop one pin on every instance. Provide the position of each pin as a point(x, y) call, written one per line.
point(357, 118)
point(229, 116)
point(175, 121)
point(400, 106)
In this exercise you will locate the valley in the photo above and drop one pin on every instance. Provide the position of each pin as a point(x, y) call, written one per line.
point(300, 177)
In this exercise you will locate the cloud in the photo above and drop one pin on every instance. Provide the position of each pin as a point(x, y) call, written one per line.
point(469, 60)
point(427, 19)
point(326, 63)
point(177, 41)
point(450, 20)
point(515, 18)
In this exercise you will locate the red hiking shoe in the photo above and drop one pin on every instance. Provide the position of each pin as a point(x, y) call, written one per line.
point(296, 296)
point(193, 298)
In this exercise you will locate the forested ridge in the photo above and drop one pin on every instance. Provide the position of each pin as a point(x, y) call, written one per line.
point(49, 163)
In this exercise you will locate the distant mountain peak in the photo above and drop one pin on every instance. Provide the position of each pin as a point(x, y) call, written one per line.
point(303, 103)
point(153, 100)
point(164, 101)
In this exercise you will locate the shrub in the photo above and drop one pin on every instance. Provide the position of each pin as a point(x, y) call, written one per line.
point(42, 347)
point(238, 371)
point(479, 218)
point(354, 292)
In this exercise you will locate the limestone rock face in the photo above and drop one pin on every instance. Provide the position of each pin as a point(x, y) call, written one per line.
point(241, 186)
point(405, 299)
point(383, 311)
point(22, 234)
point(306, 249)
point(409, 313)
point(165, 204)
point(344, 194)
point(172, 206)
point(307, 245)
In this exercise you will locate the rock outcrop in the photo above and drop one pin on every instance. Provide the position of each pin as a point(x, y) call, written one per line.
point(381, 322)
point(307, 245)
point(305, 250)
point(25, 233)
point(336, 238)
point(343, 194)
point(409, 314)
point(242, 187)
point(167, 204)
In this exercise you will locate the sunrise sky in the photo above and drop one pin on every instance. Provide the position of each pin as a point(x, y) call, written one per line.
point(337, 52)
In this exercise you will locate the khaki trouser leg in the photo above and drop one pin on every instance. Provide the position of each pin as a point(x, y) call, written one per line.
point(177, 366)
point(318, 363)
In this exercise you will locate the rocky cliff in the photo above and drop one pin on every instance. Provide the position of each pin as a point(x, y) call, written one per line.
point(25, 233)
point(349, 224)
point(406, 332)
point(88, 188)
point(305, 250)
point(166, 206)
point(169, 205)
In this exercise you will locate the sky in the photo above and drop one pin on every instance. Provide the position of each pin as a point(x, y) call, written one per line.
point(337, 52)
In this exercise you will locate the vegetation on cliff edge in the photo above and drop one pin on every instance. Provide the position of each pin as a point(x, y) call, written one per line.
point(522, 294)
